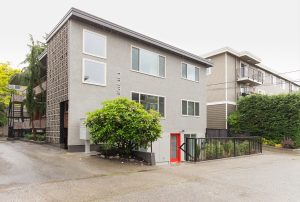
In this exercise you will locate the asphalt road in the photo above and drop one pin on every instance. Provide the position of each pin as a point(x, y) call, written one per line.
point(30, 172)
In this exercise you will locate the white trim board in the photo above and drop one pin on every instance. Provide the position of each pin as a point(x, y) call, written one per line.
point(221, 102)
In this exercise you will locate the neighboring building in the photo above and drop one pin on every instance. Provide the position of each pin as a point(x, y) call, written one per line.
point(18, 118)
point(90, 60)
point(237, 74)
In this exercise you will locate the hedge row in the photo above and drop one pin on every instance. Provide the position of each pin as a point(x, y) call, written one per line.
point(272, 117)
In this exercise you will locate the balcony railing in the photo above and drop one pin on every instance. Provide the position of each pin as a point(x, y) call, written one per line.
point(250, 75)
point(38, 124)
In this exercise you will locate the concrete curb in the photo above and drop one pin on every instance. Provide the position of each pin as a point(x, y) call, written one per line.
point(281, 150)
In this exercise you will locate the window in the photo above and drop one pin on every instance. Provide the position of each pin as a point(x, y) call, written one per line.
point(244, 70)
point(94, 72)
point(208, 71)
point(94, 44)
point(189, 72)
point(190, 108)
point(273, 79)
point(154, 102)
point(282, 84)
point(261, 92)
point(148, 62)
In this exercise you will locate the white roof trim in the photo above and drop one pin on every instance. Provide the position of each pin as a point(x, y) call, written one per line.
point(78, 14)
point(233, 52)
point(239, 54)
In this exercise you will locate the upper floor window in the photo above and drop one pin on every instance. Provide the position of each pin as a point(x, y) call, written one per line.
point(190, 108)
point(208, 71)
point(94, 72)
point(244, 70)
point(189, 72)
point(273, 79)
point(94, 44)
point(148, 62)
point(282, 84)
point(154, 102)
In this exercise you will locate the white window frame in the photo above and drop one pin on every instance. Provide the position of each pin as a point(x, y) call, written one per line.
point(91, 54)
point(282, 83)
point(274, 79)
point(247, 67)
point(186, 72)
point(208, 71)
point(187, 108)
point(138, 71)
point(165, 104)
point(83, 70)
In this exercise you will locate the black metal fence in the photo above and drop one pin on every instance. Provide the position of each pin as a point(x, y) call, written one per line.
point(201, 149)
point(210, 133)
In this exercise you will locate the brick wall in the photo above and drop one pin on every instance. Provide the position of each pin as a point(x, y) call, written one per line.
point(57, 81)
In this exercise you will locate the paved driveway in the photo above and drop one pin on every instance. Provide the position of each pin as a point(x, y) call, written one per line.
point(30, 172)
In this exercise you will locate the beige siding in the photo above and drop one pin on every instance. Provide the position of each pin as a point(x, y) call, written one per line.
point(232, 85)
point(216, 80)
point(216, 116)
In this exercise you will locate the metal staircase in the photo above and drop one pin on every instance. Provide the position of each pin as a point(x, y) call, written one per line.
point(16, 111)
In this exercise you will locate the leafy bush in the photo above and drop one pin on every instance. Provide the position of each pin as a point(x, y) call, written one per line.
point(229, 149)
point(28, 136)
point(125, 124)
point(244, 148)
point(288, 143)
point(37, 137)
point(41, 137)
point(269, 142)
point(272, 117)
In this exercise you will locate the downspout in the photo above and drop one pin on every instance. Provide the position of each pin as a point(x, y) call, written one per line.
point(226, 93)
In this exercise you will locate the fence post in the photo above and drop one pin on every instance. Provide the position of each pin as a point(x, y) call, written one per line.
point(195, 150)
point(234, 147)
point(249, 146)
point(260, 144)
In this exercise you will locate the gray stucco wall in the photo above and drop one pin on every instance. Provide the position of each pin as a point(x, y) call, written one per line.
point(84, 97)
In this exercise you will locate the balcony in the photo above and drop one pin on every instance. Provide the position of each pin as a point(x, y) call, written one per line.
point(17, 98)
point(39, 88)
point(250, 76)
point(38, 124)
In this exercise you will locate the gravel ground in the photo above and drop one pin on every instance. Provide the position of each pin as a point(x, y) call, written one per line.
point(30, 172)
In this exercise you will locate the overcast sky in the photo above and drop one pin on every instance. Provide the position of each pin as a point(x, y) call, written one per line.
point(270, 29)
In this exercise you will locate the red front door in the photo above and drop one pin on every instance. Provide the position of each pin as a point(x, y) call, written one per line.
point(174, 145)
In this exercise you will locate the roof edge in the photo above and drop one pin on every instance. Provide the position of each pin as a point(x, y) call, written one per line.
point(94, 19)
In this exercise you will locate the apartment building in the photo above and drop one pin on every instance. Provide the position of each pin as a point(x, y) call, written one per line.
point(90, 60)
point(237, 74)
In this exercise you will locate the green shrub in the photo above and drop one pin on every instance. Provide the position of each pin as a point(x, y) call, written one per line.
point(229, 149)
point(124, 124)
point(244, 147)
point(41, 137)
point(28, 136)
point(210, 151)
point(272, 117)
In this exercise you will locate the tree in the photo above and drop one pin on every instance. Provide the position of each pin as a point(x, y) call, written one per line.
point(6, 73)
point(125, 124)
point(31, 76)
